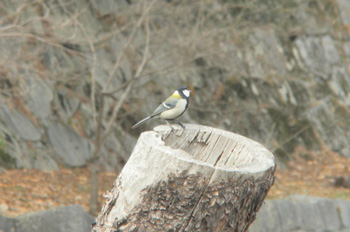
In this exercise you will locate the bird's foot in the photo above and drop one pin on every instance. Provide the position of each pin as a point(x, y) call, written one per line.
point(182, 125)
point(171, 128)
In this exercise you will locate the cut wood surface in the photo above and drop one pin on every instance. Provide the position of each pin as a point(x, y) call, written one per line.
point(197, 179)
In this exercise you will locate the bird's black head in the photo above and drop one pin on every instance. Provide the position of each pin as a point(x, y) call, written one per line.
point(184, 92)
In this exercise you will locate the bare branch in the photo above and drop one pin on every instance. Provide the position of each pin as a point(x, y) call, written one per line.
point(129, 87)
point(43, 40)
point(128, 43)
point(293, 136)
point(93, 73)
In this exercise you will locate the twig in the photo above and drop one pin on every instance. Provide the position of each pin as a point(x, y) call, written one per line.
point(93, 73)
point(130, 85)
point(292, 137)
point(41, 39)
point(126, 46)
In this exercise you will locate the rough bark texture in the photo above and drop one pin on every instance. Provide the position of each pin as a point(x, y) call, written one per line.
point(198, 179)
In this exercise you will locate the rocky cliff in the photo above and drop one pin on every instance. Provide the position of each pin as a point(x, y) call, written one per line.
point(274, 71)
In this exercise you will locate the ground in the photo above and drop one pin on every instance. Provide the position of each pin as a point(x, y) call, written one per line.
point(22, 191)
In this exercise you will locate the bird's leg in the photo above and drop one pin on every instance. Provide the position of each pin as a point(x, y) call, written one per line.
point(180, 123)
point(172, 129)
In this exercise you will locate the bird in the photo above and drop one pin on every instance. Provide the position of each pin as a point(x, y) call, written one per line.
point(170, 109)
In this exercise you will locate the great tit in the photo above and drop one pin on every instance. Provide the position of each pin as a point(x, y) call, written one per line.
point(170, 109)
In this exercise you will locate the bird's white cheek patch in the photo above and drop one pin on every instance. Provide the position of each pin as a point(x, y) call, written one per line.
point(186, 93)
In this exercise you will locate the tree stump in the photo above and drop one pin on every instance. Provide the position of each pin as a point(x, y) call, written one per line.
point(197, 179)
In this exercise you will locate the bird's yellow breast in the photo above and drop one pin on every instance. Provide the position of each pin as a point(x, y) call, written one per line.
point(177, 95)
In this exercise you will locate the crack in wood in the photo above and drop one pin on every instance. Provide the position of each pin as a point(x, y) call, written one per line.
point(218, 159)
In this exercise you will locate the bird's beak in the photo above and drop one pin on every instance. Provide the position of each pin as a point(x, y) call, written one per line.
point(192, 90)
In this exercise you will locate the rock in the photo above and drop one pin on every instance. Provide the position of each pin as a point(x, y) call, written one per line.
point(327, 125)
point(347, 50)
point(309, 215)
point(330, 51)
point(344, 8)
point(56, 60)
point(263, 72)
point(343, 208)
point(72, 149)
point(19, 124)
point(30, 156)
point(303, 213)
point(267, 219)
point(326, 210)
point(7, 224)
point(116, 150)
point(265, 58)
point(313, 56)
point(106, 62)
point(18, 153)
point(39, 96)
point(44, 161)
point(66, 100)
point(61, 219)
point(288, 215)
point(105, 7)
point(64, 26)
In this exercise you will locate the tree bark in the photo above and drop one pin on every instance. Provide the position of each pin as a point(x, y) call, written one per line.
point(197, 179)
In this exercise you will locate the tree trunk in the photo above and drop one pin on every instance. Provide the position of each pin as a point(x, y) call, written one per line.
point(197, 179)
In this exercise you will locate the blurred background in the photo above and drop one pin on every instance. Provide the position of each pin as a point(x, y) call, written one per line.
point(76, 75)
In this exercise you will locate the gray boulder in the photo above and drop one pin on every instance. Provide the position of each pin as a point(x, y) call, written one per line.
point(19, 124)
point(303, 213)
point(62, 219)
point(70, 147)
point(7, 224)
point(39, 97)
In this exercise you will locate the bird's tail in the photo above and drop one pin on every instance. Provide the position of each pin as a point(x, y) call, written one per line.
point(141, 122)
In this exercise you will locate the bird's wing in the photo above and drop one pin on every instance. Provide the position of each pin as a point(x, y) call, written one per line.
point(168, 104)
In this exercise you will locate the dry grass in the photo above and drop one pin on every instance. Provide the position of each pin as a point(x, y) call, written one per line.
point(25, 190)
point(312, 174)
